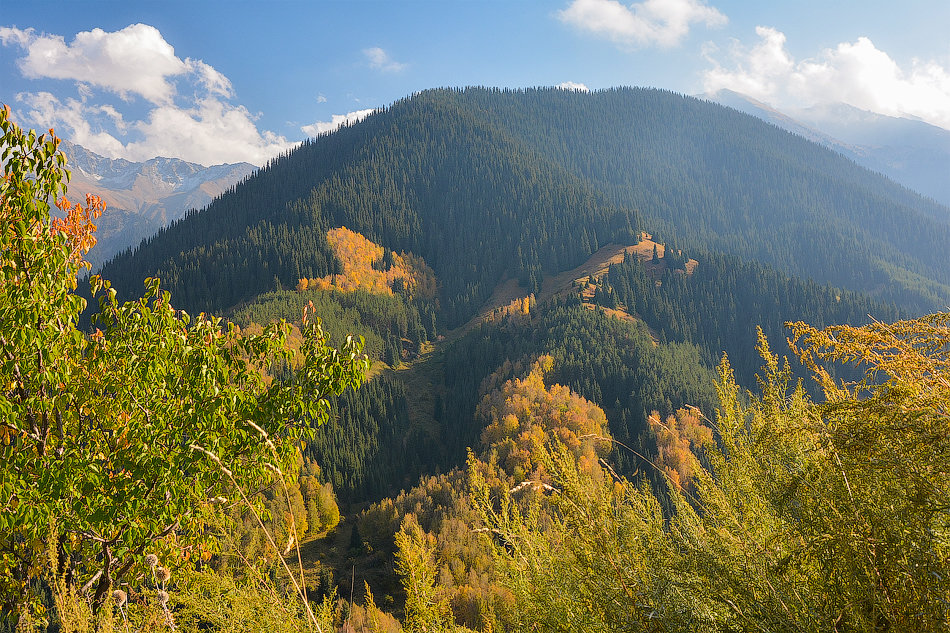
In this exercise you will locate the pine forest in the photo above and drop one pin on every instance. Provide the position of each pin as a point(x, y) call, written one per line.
point(486, 360)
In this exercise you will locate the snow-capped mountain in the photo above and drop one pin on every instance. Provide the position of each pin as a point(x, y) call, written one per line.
point(908, 151)
point(142, 197)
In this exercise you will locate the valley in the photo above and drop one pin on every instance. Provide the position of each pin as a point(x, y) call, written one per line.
point(481, 370)
point(529, 251)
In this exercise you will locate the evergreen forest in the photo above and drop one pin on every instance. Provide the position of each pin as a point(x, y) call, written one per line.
point(486, 183)
point(487, 360)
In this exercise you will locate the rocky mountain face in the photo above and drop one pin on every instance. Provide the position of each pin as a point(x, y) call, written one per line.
point(142, 197)
point(910, 152)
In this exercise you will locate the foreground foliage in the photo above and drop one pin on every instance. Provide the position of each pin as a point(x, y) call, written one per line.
point(801, 517)
point(126, 441)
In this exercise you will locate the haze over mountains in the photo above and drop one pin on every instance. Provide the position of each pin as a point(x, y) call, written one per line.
point(143, 197)
point(487, 183)
point(910, 152)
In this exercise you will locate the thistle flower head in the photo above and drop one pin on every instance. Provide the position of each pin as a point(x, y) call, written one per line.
point(162, 597)
point(162, 574)
point(151, 560)
point(120, 597)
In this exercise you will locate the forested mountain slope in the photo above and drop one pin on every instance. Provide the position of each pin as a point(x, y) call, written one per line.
point(486, 183)
point(417, 414)
point(702, 174)
point(433, 180)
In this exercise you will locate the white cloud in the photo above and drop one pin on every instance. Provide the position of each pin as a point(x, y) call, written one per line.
point(204, 133)
point(210, 79)
point(573, 85)
point(135, 60)
point(321, 99)
point(663, 23)
point(208, 133)
point(200, 124)
point(84, 122)
point(379, 60)
point(16, 36)
point(856, 73)
point(336, 121)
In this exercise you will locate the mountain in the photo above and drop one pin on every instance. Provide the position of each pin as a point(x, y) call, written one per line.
point(910, 152)
point(491, 184)
point(577, 262)
point(143, 197)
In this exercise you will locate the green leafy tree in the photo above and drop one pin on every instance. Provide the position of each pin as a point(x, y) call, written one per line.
point(126, 440)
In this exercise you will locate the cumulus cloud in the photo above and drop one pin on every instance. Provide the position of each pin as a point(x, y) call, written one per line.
point(135, 60)
point(209, 132)
point(210, 129)
point(573, 85)
point(200, 124)
point(210, 79)
point(856, 73)
point(379, 60)
point(336, 121)
point(15, 36)
point(84, 122)
point(663, 23)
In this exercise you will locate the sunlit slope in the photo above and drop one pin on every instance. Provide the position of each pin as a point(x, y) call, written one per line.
point(719, 179)
point(485, 183)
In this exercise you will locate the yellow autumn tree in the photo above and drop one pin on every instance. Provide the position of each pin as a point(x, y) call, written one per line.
point(803, 516)
point(370, 267)
point(524, 416)
point(678, 439)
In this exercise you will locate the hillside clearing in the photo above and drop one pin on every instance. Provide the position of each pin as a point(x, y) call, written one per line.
point(509, 291)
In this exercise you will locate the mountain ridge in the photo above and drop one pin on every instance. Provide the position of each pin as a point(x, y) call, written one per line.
point(142, 197)
point(908, 151)
point(484, 183)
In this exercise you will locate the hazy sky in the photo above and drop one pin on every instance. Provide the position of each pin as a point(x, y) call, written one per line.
point(225, 81)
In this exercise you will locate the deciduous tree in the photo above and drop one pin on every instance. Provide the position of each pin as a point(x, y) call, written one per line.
point(120, 442)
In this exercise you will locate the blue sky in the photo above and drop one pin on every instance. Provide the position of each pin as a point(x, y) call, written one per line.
point(224, 81)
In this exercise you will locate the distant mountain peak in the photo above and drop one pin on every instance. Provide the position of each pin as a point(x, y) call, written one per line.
point(142, 197)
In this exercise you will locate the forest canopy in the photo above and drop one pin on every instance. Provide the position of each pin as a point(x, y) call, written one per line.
point(615, 481)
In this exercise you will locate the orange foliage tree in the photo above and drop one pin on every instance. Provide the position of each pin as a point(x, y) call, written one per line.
point(524, 416)
point(361, 259)
point(678, 439)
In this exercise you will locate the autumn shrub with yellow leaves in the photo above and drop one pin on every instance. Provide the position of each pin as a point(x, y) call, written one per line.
point(800, 516)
